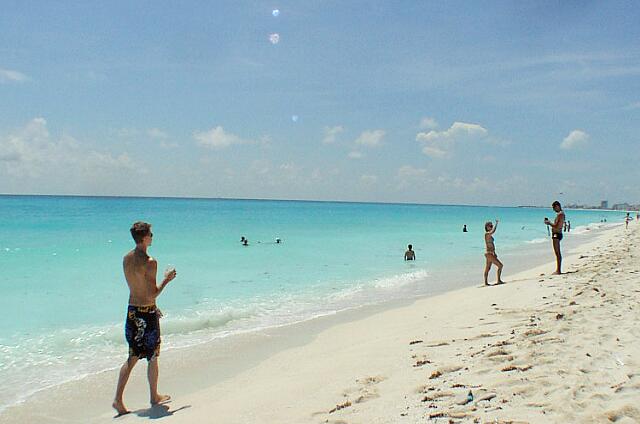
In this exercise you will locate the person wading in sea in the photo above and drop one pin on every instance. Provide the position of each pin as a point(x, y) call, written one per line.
point(410, 255)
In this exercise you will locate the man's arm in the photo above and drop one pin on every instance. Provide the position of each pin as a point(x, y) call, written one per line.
point(153, 270)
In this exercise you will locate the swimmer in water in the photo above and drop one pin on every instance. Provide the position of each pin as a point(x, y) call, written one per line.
point(410, 255)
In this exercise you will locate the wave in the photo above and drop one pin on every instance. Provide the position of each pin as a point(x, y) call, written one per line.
point(206, 319)
point(537, 240)
point(31, 364)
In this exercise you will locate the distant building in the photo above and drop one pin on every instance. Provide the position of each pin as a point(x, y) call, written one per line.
point(621, 207)
point(604, 204)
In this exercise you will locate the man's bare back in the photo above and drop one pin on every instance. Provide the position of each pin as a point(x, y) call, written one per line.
point(140, 272)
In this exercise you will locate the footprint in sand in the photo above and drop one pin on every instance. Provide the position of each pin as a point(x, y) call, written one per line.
point(445, 370)
point(365, 390)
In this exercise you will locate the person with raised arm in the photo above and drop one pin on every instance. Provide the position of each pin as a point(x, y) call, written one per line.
point(490, 254)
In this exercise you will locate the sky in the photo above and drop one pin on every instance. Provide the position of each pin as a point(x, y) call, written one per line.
point(474, 102)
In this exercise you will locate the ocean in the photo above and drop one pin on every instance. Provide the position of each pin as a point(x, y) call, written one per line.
point(63, 296)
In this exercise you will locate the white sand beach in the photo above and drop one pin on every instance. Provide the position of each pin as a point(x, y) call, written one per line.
point(540, 349)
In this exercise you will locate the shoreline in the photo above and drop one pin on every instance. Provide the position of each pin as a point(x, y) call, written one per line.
point(206, 369)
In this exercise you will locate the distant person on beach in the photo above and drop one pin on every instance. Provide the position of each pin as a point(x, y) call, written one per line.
point(410, 255)
point(637, 216)
point(142, 327)
point(568, 226)
point(626, 220)
point(464, 228)
point(556, 233)
point(565, 227)
point(490, 254)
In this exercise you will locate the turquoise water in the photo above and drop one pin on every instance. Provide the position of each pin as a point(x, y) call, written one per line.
point(63, 295)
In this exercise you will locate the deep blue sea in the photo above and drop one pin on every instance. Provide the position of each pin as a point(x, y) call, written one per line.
point(63, 296)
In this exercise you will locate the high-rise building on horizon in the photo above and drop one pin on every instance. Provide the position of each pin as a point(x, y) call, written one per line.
point(604, 204)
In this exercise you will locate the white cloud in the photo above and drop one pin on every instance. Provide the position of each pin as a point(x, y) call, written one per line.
point(217, 138)
point(434, 152)
point(157, 133)
point(371, 138)
point(428, 123)
point(355, 155)
point(7, 75)
point(409, 176)
point(290, 169)
point(368, 179)
point(408, 171)
point(575, 139)
point(438, 144)
point(330, 134)
point(457, 130)
point(33, 153)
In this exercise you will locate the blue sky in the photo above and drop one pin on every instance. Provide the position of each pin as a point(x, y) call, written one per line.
point(477, 102)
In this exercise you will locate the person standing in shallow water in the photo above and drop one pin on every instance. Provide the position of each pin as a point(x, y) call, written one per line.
point(490, 254)
point(556, 233)
point(142, 328)
point(410, 255)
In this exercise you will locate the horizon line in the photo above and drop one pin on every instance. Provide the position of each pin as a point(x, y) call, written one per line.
point(272, 200)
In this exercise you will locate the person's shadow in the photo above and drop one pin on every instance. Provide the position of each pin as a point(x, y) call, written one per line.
point(158, 411)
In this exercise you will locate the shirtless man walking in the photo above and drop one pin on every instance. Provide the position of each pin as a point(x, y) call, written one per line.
point(556, 233)
point(142, 328)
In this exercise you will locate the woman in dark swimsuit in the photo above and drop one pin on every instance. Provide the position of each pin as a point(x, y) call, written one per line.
point(491, 256)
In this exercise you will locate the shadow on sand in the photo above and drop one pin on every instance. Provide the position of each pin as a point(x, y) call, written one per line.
point(158, 411)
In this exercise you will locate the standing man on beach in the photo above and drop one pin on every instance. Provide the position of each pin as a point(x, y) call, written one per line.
point(142, 328)
point(556, 233)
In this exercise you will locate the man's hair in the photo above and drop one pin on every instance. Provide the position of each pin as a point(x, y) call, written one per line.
point(556, 203)
point(139, 230)
point(410, 247)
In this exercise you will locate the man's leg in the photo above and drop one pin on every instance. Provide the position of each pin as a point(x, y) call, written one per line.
point(152, 374)
point(125, 371)
point(556, 249)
